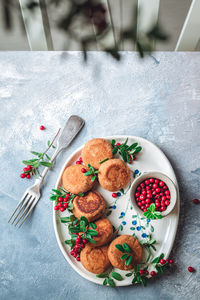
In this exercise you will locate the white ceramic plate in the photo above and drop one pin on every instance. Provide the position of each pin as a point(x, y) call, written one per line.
point(122, 212)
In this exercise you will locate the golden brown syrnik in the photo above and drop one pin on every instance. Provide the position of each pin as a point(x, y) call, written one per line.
point(114, 174)
point(95, 151)
point(104, 232)
point(95, 259)
point(114, 254)
point(92, 206)
point(74, 180)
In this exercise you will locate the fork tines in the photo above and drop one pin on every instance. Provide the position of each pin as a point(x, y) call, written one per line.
point(23, 209)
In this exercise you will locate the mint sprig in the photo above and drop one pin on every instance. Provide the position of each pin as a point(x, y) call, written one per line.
point(151, 213)
point(91, 171)
point(108, 278)
point(124, 248)
point(42, 159)
point(127, 152)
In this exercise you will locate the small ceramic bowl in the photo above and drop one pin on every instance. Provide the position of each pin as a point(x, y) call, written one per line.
point(158, 175)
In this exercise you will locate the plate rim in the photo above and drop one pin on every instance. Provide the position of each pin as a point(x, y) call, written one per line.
point(80, 272)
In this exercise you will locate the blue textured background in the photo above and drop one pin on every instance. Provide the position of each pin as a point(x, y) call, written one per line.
point(158, 99)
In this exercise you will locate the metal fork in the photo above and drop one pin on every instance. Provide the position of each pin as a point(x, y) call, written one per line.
point(32, 194)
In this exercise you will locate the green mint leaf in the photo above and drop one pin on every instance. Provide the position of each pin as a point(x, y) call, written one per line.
point(53, 146)
point(36, 153)
point(131, 147)
point(122, 191)
point(82, 226)
point(152, 207)
point(134, 279)
point(136, 268)
point(119, 247)
point(102, 275)
point(47, 156)
point(53, 197)
point(82, 218)
point(111, 282)
point(115, 150)
point(81, 194)
point(109, 213)
point(113, 143)
point(92, 232)
point(144, 281)
point(116, 276)
point(128, 260)
point(93, 226)
point(88, 173)
point(105, 281)
point(57, 192)
point(128, 274)
point(93, 178)
point(126, 248)
point(46, 164)
point(124, 256)
point(92, 241)
point(65, 220)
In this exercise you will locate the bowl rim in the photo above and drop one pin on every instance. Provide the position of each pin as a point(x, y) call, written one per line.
point(168, 181)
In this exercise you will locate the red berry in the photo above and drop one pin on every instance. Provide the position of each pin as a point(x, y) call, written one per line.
point(143, 202)
point(28, 176)
point(153, 273)
point(147, 182)
point(138, 188)
point(168, 197)
point(82, 246)
point(196, 201)
point(144, 192)
point(163, 198)
point(148, 188)
point(85, 241)
point(165, 187)
point(163, 208)
point(171, 261)
point(65, 199)
point(142, 197)
point(78, 162)
point(114, 195)
point(156, 181)
point(62, 209)
point(151, 180)
point(78, 258)
point(80, 159)
point(161, 183)
point(162, 261)
point(142, 207)
point(72, 252)
point(155, 186)
point(139, 203)
point(118, 144)
point(167, 260)
point(141, 272)
point(59, 204)
point(60, 199)
point(22, 175)
point(167, 202)
point(76, 247)
point(167, 192)
point(65, 205)
point(158, 190)
point(148, 201)
point(191, 269)
point(157, 204)
point(42, 127)
point(137, 194)
point(146, 272)
point(147, 205)
point(142, 185)
point(25, 169)
point(144, 210)
point(56, 207)
point(83, 170)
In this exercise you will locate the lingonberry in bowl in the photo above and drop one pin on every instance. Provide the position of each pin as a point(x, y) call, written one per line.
point(153, 187)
